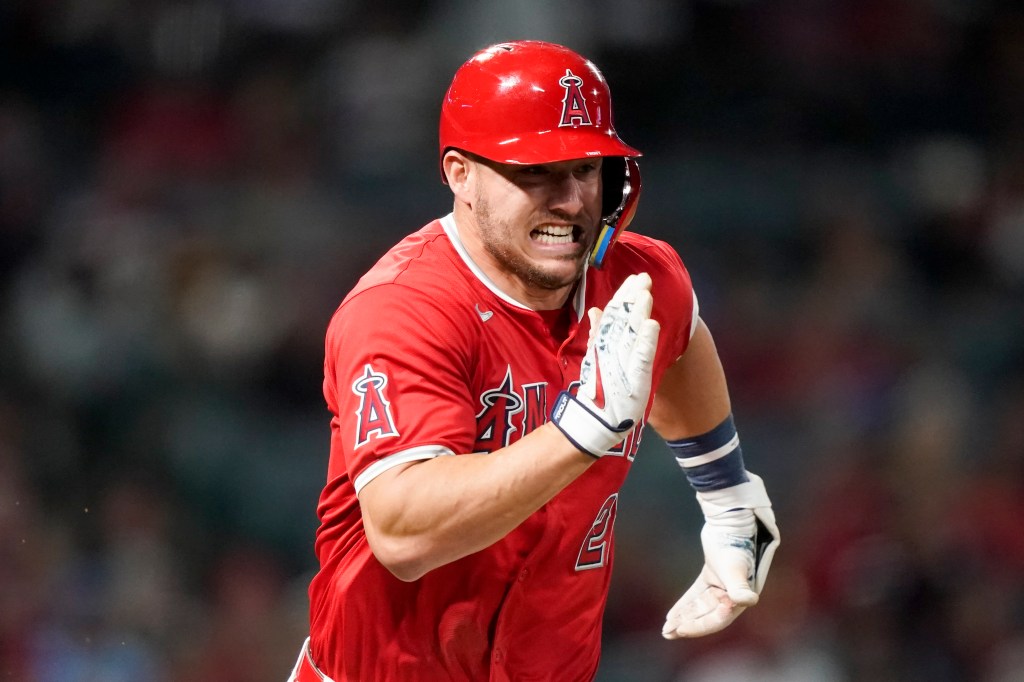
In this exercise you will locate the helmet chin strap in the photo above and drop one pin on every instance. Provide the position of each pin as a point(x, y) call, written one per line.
point(618, 220)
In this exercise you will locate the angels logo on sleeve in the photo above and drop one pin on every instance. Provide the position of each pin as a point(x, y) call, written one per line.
point(373, 416)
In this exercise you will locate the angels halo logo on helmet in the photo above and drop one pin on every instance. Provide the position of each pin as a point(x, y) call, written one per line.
point(530, 102)
point(574, 104)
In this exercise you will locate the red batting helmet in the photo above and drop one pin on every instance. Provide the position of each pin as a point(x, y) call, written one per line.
point(528, 102)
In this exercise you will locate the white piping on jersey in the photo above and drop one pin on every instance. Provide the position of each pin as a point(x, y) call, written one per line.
point(411, 455)
point(579, 302)
point(696, 313)
point(452, 230)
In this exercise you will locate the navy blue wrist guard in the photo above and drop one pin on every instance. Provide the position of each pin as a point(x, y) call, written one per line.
point(714, 460)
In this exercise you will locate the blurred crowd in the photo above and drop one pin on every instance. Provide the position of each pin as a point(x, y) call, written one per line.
point(189, 187)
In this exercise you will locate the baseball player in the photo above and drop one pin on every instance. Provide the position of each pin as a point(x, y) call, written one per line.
point(489, 380)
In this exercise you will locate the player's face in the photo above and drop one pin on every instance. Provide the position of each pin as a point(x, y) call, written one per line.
point(538, 223)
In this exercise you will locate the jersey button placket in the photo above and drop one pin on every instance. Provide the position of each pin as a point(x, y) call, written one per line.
point(563, 363)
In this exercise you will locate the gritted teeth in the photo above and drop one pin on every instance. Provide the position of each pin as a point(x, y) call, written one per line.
point(554, 234)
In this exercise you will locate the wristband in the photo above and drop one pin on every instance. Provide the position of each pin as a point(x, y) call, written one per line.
point(714, 460)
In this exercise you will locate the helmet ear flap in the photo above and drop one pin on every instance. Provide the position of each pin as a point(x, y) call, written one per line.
point(613, 175)
point(622, 196)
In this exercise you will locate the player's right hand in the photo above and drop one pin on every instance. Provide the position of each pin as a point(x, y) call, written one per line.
point(615, 376)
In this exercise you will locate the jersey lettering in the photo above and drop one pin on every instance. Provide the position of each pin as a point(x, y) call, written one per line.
point(505, 411)
point(536, 399)
point(494, 422)
point(508, 409)
point(373, 416)
point(574, 104)
point(596, 548)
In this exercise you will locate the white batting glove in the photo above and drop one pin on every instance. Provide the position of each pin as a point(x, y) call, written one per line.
point(739, 539)
point(615, 376)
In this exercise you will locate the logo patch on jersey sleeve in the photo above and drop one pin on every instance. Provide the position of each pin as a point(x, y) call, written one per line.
point(373, 416)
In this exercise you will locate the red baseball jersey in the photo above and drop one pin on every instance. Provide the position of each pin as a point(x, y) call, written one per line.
point(425, 358)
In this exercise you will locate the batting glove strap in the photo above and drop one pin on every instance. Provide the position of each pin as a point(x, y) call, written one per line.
point(584, 428)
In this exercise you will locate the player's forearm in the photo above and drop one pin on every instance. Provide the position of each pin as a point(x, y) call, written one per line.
point(693, 396)
point(430, 513)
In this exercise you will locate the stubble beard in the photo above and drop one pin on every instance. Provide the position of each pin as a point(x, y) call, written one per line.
point(498, 236)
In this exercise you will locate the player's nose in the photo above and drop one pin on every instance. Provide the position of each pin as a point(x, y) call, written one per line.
point(568, 194)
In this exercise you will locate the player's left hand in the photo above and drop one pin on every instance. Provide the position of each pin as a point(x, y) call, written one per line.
point(739, 540)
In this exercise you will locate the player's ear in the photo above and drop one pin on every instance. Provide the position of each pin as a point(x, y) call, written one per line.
point(457, 169)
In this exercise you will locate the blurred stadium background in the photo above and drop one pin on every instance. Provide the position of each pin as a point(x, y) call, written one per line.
point(189, 187)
